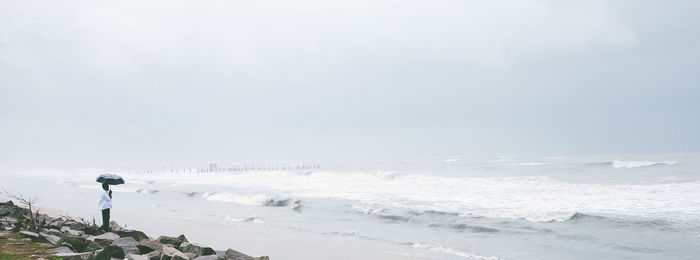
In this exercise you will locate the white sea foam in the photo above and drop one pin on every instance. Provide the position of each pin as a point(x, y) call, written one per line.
point(453, 251)
point(541, 199)
point(532, 164)
point(639, 164)
point(258, 199)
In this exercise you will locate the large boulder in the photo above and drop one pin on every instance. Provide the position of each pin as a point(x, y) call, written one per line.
point(74, 256)
point(104, 239)
point(174, 254)
point(29, 234)
point(113, 226)
point(231, 254)
point(7, 208)
point(146, 246)
point(59, 250)
point(69, 231)
point(137, 257)
point(77, 243)
point(55, 240)
point(197, 250)
point(128, 244)
point(174, 241)
point(110, 252)
point(137, 235)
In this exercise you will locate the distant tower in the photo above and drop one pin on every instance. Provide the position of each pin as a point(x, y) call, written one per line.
point(212, 167)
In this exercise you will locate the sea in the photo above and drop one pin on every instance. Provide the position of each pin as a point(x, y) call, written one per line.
point(449, 207)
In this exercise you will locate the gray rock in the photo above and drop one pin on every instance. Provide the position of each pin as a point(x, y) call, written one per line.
point(78, 243)
point(146, 246)
point(174, 241)
point(75, 256)
point(59, 250)
point(138, 235)
point(210, 257)
point(154, 255)
point(107, 236)
point(51, 238)
point(6, 211)
point(235, 255)
point(91, 247)
point(29, 234)
point(137, 257)
point(110, 252)
point(115, 227)
point(128, 244)
point(125, 241)
point(105, 239)
point(55, 232)
point(195, 249)
point(173, 253)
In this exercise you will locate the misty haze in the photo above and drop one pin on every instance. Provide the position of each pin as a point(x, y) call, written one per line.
point(460, 130)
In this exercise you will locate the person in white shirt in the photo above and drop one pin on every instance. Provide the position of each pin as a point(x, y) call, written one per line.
point(105, 205)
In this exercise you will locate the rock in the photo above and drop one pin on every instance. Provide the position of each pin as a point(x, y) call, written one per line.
point(210, 257)
point(195, 249)
point(235, 255)
point(51, 238)
point(60, 250)
point(28, 234)
point(57, 223)
point(107, 236)
point(6, 211)
point(125, 241)
point(44, 218)
point(55, 232)
point(91, 246)
point(110, 252)
point(137, 257)
point(146, 246)
point(128, 244)
point(115, 227)
point(154, 255)
point(78, 243)
point(138, 235)
point(174, 254)
point(104, 239)
point(174, 241)
point(71, 232)
point(75, 256)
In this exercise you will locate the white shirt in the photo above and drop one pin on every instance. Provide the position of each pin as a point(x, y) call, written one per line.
point(105, 200)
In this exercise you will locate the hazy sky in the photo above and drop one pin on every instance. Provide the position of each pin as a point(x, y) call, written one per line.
point(109, 82)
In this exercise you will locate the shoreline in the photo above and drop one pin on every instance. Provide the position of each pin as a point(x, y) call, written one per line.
point(221, 236)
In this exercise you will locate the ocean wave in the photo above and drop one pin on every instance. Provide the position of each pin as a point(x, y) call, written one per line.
point(257, 199)
point(474, 229)
point(255, 220)
point(532, 164)
point(638, 164)
point(453, 251)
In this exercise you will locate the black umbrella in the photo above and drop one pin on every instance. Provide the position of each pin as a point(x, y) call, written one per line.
point(110, 179)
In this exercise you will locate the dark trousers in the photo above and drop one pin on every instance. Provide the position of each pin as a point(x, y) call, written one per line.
point(105, 219)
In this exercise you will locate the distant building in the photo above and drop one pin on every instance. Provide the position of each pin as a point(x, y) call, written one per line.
point(212, 167)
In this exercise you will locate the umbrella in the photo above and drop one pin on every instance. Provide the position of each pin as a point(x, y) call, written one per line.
point(110, 179)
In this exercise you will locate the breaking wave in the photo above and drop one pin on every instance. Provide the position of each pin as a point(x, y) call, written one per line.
point(638, 164)
point(453, 251)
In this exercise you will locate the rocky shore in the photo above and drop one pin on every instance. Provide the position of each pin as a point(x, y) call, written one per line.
point(76, 239)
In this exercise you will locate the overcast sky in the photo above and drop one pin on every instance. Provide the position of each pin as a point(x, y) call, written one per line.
point(92, 83)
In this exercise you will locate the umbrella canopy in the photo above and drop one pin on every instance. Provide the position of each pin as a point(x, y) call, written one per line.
point(110, 179)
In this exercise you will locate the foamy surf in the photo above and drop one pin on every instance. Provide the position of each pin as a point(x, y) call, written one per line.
point(639, 164)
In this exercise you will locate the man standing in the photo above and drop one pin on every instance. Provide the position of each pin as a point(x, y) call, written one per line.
point(105, 205)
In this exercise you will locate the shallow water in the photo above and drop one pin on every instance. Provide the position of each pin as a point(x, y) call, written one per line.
point(509, 207)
